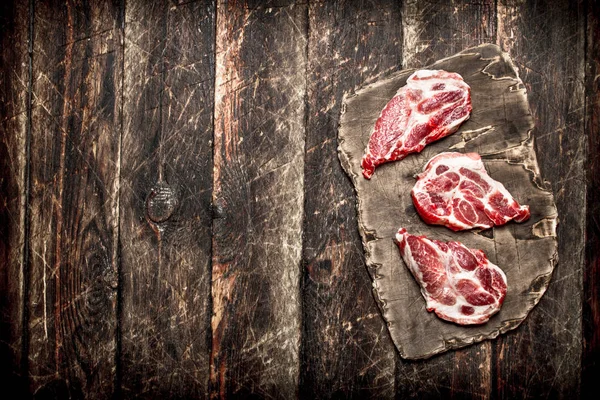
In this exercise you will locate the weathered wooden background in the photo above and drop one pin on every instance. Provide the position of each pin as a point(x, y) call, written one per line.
point(175, 222)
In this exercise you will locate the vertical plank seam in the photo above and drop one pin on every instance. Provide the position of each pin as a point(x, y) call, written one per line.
point(493, 385)
point(211, 387)
point(494, 348)
point(156, 227)
point(118, 378)
point(163, 79)
point(586, 10)
point(587, 138)
point(397, 359)
point(25, 273)
point(210, 304)
point(59, 198)
point(302, 263)
point(496, 22)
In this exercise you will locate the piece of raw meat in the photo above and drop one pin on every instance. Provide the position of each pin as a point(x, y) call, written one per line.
point(459, 284)
point(431, 106)
point(455, 190)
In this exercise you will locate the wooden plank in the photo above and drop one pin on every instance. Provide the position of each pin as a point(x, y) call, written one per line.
point(433, 30)
point(74, 174)
point(14, 122)
point(543, 357)
point(346, 350)
point(258, 198)
point(166, 195)
point(591, 291)
point(436, 28)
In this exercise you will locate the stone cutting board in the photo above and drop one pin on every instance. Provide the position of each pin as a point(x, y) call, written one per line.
point(500, 131)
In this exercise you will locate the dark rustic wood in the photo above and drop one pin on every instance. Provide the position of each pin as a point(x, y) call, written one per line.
point(433, 30)
point(14, 124)
point(166, 189)
point(543, 357)
point(591, 291)
point(346, 350)
point(258, 198)
point(499, 132)
point(293, 312)
point(74, 150)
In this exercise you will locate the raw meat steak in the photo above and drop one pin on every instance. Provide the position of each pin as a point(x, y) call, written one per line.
point(459, 284)
point(431, 106)
point(455, 190)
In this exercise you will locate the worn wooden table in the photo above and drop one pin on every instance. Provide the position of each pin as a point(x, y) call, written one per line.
point(175, 221)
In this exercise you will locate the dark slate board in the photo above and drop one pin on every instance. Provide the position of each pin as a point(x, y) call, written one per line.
point(500, 131)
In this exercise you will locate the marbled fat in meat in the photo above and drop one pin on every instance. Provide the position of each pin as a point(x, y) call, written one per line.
point(459, 284)
point(456, 191)
point(432, 105)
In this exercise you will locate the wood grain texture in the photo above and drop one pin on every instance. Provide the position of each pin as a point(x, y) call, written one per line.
point(346, 350)
point(258, 198)
point(74, 150)
point(433, 30)
point(165, 198)
point(546, 40)
point(591, 291)
point(293, 313)
point(14, 124)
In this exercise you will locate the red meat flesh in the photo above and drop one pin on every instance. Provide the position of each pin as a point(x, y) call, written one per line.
point(431, 106)
point(455, 190)
point(459, 284)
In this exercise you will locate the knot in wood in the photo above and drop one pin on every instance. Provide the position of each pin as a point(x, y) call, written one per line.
point(161, 202)
point(218, 209)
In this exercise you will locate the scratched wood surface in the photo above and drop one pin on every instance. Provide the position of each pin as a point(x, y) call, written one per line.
point(14, 187)
point(174, 221)
point(72, 271)
point(257, 199)
point(345, 350)
point(558, 110)
point(165, 187)
point(591, 295)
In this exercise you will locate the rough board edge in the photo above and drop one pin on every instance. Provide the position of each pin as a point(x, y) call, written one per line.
point(531, 165)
